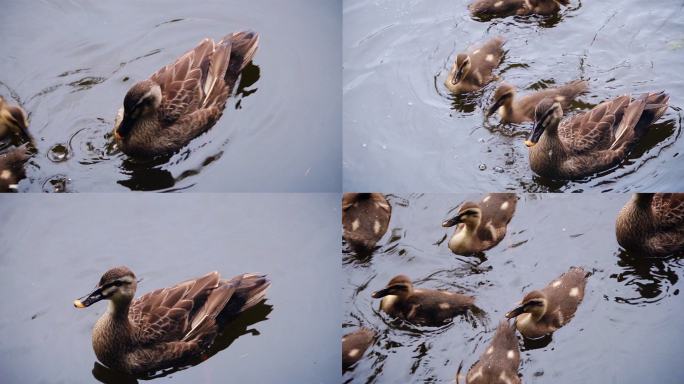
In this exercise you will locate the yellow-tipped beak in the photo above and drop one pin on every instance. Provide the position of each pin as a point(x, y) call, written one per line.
point(116, 134)
point(78, 304)
point(529, 143)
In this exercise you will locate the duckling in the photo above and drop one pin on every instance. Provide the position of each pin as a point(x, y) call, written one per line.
point(522, 110)
point(179, 102)
point(12, 168)
point(472, 72)
point(365, 218)
point(593, 141)
point(504, 8)
point(652, 224)
point(481, 226)
point(168, 325)
point(354, 345)
point(543, 312)
point(13, 119)
point(500, 361)
point(421, 306)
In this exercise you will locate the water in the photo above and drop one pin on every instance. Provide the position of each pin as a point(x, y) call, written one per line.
point(404, 132)
point(70, 64)
point(627, 329)
point(54, 249)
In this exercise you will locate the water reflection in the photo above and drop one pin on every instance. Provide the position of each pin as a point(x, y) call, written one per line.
point(649, 279)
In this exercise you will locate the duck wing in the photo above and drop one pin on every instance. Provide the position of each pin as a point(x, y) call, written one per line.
point(669, 210)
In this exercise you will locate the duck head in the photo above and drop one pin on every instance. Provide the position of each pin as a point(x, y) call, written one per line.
point(13, 118)
point(503, 96)
point(547, 115)
point(400, 286)
point(461, 66)
point(469, 214)
point(534, 303)
point(117, 285)
point(142, 99)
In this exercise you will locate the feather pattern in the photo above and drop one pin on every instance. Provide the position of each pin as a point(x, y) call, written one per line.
point(12, 167)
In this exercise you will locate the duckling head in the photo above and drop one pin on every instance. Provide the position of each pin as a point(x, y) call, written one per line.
point(503, 96)
point(144, 97)
point(400, 286)
point(547, 115)
point(117, 285)
point(462, 66)
point(534, 303)
point(469, 214)
point(13, 118)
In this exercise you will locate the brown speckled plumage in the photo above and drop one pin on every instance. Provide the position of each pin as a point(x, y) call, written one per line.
point(354, 345)
point(505, 8)
point(12, 167)
point(522, 110)
point(478, 71)
point(365, 218)
point(500, 361)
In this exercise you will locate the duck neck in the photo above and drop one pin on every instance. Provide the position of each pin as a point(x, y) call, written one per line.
point(113, 334)
point(636, 220)
point(460, 241)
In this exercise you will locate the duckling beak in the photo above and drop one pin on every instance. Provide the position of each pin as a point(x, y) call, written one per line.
point(493, 108)
point(381, 293)
point(453, 221)
point(457, 77)
point(89, 299)
point(517, 311)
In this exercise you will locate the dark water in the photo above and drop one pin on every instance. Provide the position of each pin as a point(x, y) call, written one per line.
point(403, 131)
point(70, 64)
point(54, 250)
point(628, 329)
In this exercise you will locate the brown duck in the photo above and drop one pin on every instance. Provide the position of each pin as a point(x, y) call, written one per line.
point(481, 226)
point(522, 110)
point(12, 168)
point(421, 306)
point(474, 71)
point(505, 8)
point(169, 325)
point(354, 345)
point(179, 102)
point(543, 312)
point(500, 361)
point(652, 224)
point(365, 218)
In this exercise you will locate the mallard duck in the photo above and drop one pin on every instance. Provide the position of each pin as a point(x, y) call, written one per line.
point(12, 168)
point(13, 119)
point(543, 312)
point(365, 218)
point(474, 71)
point(421, 306)
point(500, 361)
point(481, 226)
point(354, 345)
point(162, 114)
point(505, 8)
point(168, 325)
point(652, 224)
point(522, 110)
point(592, 141)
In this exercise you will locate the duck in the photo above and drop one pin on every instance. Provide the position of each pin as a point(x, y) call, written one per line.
point(652, 224)
point(481, 226)
point(472, 72)
point(168, 325)
point(504, 8)
point(13, 120)
point(421, 306)
point(179, 102)
point(522, 110)
point(354, 345)
point(365, 218)
point(500, 361)
point(545, 311)
point(593, 141)
point(12, 168)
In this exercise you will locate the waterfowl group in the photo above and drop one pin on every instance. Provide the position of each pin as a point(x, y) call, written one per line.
point(169, 325)
point(365, 218)
point(481, 226)
point(354, 345)
point(472, 72)
point(652, 224)
point(179, 102)
point(505, 8)
point(522, 110)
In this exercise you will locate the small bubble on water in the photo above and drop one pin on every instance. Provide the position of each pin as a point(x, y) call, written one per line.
point(410, 103)
point(480, 140)
point(482, 167)
point(384, 147)
point(364, 144)
point(498, 169)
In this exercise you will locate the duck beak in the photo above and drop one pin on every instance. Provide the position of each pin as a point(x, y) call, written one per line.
point(89, 299)
point(535, 135)
point(381, 293)
point(453, 221)
point(124, 128)
point(457, 77)
point(517, 311)
point(494, 107)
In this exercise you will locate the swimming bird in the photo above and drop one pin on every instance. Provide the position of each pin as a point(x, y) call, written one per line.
point(421, 306)
point(179, 102)
point(354, 345)
point(543, 312)
point(522, 110)
point(593, 141)
point(503, 8)
point(652, 224)
point(474, 71)
point(168, 325)
point(500, 361)
point(481, 226)
point(12, 168)
point(13, 119)
point(365, 218)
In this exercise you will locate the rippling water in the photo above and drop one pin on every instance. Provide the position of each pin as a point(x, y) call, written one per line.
point(627, 329)
point(70, 64)
point(54, 249)
point(404, 132)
